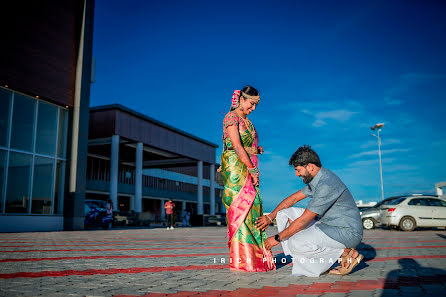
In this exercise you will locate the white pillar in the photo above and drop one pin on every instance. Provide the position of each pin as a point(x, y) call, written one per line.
point(138, 177)
point(184, 205)
point(114, 167)
point(200, 188)
point(439, 191)
point(212, 188)
point(163, 211)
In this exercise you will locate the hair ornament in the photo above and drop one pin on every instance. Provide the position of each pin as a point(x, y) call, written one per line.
point(235, 99)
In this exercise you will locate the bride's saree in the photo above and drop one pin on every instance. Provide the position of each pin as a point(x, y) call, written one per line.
point(244, 205)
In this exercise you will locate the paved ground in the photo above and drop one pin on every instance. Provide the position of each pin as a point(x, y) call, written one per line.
point(187, 262)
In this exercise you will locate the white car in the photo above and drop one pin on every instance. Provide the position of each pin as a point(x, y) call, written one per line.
point(407, 213)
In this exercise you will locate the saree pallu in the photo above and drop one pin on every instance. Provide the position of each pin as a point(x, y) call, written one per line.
point(244, 205)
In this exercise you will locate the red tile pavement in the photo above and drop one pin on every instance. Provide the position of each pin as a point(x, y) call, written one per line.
point(131, 270)
point(155, 269)
point(182, 255)
point(201, 248)
point(110, 257)
point(314, 288)
point(160, 242)
point(104, 250)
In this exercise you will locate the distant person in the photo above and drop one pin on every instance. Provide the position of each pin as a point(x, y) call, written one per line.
point(316, 245)
point(186, 217)
point(169, 206)
point(109, 207)
point(241, 196)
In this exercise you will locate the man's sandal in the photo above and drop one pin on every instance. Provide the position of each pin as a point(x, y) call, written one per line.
point(348, 263)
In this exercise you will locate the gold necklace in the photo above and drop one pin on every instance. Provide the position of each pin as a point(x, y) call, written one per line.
point(248, 125)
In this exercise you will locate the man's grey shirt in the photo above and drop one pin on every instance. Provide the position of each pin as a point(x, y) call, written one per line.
point(337, 211)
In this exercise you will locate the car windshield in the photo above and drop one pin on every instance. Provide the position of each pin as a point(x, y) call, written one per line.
point(397, 201)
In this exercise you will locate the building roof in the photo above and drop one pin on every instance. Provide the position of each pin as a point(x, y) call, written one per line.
point(152, 120)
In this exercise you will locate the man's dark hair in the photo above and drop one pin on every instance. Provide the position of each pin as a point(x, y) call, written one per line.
point(303, 156)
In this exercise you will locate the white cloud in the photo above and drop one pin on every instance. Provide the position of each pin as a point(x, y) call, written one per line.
point(364, 163)
point(339, 115)
point(373, 143)
point(375, 152)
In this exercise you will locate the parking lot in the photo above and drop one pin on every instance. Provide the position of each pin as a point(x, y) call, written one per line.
point(188, 262)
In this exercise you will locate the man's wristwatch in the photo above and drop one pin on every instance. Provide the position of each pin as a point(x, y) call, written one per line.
point(277, 237)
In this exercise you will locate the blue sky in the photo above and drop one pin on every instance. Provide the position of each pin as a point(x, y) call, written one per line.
point(326, 71)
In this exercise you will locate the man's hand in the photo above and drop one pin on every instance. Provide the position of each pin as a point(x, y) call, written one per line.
point(260, 150)
point(263, 222)
point(270, 242)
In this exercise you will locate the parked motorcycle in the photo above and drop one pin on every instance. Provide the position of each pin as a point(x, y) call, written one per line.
point(96, 216)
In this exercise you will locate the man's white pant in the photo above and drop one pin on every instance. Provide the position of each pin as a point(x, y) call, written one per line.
point(313, 252)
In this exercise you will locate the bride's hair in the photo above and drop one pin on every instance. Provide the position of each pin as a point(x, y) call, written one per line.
point(248, 90)
point(251, 91)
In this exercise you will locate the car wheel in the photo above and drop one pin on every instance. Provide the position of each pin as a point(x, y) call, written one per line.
point(368, 223)
point(407, 224)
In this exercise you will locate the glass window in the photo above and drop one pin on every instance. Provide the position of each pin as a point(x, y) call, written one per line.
point(42, 185)
point(435, 202)
point(46, 129)
point(63, 129)
point(22, 123)
point(419, 202)
point(19, 174)
point(59, 187)
point(2, 175)
point(5, 102)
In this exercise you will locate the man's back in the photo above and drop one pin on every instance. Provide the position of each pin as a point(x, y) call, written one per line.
point(333, 202)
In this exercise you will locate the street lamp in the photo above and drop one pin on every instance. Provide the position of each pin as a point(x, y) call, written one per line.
point(378, 128)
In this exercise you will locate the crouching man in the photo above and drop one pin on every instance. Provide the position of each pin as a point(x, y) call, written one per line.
point(327, 230)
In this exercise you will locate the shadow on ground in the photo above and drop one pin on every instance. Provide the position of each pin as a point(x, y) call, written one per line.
point(442, 236)
point(415, 280)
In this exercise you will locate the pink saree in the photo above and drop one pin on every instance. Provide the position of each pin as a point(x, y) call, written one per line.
point(244, 205)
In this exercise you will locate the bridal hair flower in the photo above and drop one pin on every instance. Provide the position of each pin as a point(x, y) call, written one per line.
point(235, 99)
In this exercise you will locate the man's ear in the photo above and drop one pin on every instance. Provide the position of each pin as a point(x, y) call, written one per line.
point(312, 167)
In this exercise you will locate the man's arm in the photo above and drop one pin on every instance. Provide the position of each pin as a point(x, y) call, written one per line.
point(263, 222)
point(299, 224)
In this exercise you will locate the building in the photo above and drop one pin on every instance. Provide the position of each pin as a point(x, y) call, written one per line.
point(140, 163)
point(45, 75)
point(50, 161)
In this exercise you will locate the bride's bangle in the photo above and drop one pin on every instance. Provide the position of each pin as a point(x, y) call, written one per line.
point(254, 171)
point(269, 218)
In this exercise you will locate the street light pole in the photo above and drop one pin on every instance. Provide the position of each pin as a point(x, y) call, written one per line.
point(378, 127)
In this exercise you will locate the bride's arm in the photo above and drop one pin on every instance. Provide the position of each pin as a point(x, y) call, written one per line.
point(234, 135)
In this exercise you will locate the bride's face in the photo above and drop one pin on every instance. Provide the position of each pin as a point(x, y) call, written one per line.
point(248, 105)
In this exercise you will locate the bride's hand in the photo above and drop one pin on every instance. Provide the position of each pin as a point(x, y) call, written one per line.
point(260, 150)
point(255, 181)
